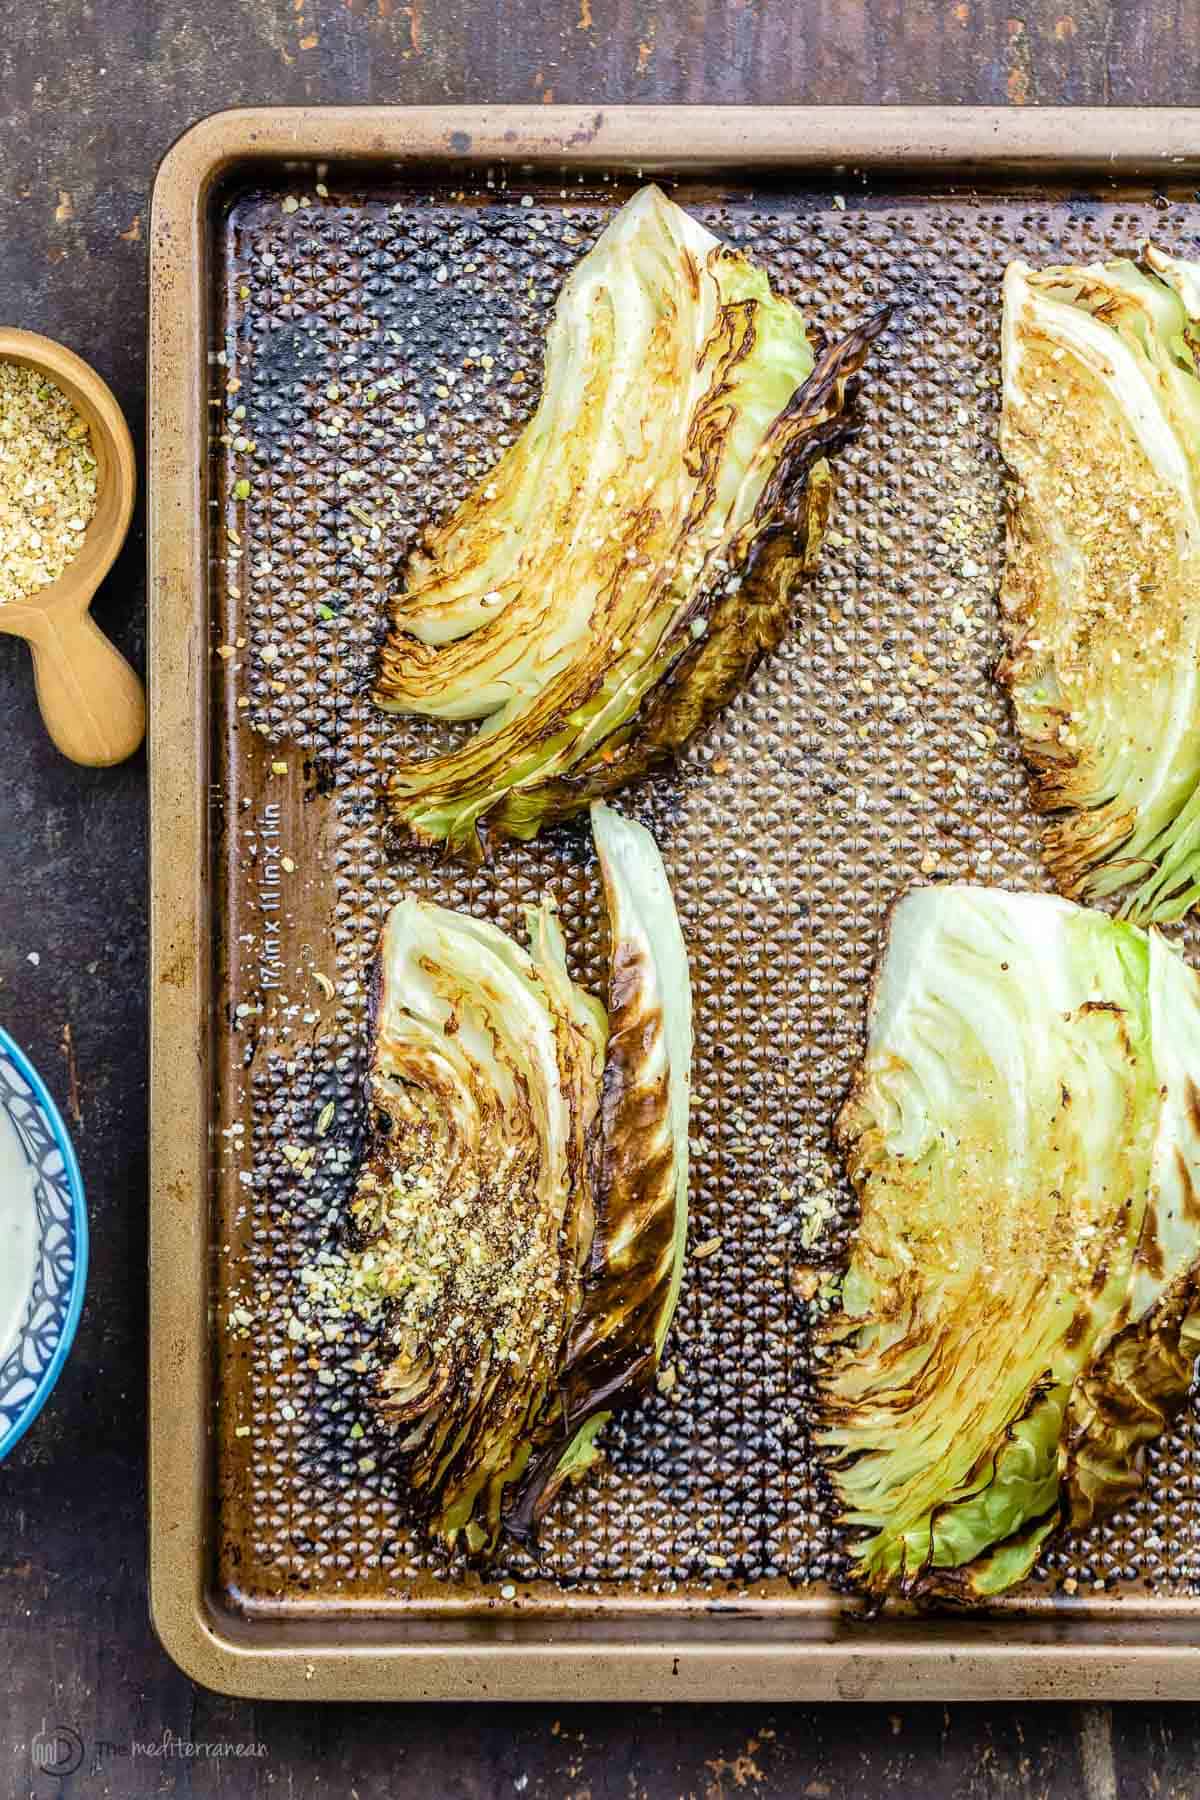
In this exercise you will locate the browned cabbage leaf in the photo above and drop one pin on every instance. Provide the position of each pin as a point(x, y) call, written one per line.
point(522, 1205)
point(616, 576)
point(1101, 595)
point(631, 1282)
point(1019, 1316)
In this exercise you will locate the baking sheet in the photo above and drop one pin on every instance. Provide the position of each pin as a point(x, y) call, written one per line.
point(383, 337)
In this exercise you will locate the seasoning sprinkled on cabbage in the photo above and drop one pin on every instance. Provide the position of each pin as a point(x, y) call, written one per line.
point(1101, 594)
point(522, 1204)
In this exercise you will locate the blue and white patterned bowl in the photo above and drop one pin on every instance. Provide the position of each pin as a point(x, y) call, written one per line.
point(31, 1367)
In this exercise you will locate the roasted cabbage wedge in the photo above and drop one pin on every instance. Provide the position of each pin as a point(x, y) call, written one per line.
point(522, 1204)
point(1021, 1310)
point(1101, 592)
point(623, 567)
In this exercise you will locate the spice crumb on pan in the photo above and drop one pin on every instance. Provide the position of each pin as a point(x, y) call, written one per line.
point(805, 1283)
point(48, 481)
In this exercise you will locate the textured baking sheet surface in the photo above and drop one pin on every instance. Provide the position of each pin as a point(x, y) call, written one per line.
point(384, 346)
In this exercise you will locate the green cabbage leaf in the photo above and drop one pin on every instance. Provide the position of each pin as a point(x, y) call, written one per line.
point(521, 1205)
point(1101, 593)
point(1019, 1315)
point(631, 1283)
point(613, 580)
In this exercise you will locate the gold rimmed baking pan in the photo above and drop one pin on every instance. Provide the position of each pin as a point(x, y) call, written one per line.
point(347, 310)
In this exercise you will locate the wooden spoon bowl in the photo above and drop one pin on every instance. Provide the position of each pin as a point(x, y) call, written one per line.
point(92, 701)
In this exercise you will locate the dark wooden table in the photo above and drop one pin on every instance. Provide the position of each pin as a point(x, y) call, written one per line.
point(91, 94)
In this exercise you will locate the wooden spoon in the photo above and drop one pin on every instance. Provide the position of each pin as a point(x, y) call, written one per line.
point(93, 703)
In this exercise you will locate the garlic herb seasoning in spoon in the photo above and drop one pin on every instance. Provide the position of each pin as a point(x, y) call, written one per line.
point(47, 481)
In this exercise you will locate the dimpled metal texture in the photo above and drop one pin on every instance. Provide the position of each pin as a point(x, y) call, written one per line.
point(378, 349)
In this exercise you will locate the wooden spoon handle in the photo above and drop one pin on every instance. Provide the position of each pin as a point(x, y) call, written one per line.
point(93, 703)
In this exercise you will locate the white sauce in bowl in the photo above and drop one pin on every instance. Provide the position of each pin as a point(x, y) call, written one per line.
point(18, 1232)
